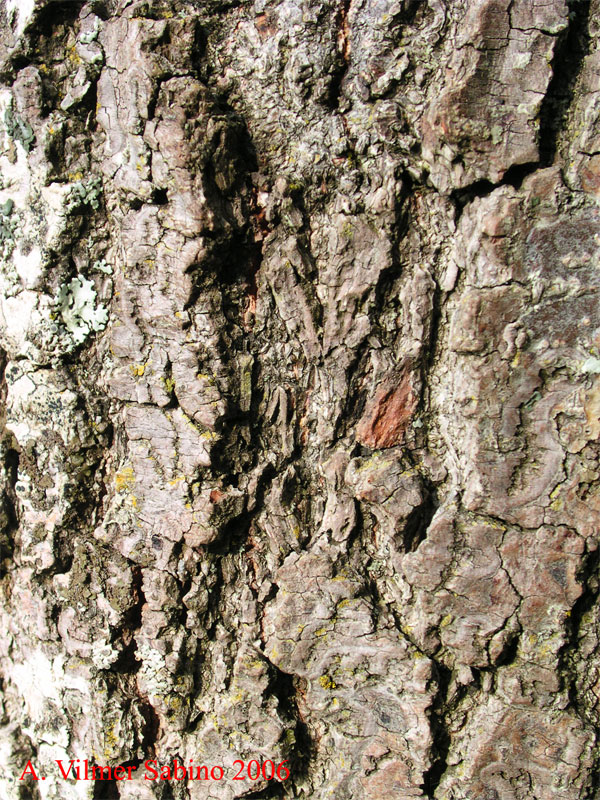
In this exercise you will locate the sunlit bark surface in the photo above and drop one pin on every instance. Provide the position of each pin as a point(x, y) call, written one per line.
point(300, 354)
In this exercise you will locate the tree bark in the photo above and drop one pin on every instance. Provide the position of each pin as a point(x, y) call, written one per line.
point(301, 398)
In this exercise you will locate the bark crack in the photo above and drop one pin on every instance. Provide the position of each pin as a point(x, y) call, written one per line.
point(343, 51)
point(570, 50)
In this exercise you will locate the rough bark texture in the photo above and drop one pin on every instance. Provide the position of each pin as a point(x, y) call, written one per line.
point(301, 396)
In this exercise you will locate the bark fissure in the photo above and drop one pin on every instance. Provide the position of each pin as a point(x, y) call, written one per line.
point(571, 48)
point(440, 734)
point(343, 55)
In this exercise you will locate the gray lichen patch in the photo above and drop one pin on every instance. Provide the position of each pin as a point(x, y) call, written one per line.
point(84, 193)
point(18, 129)
point(8, 228)
point(77, 304)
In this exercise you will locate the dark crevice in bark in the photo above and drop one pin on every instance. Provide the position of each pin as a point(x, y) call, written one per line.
point(439, 732)
point(570, 662)
point(343, 45)
point(11, 466)
point(160, 197)
point(128, 662)
point(28, 792)
point(235, 532)
point(150, 729)
point(25, 750)
point(509, 652)
point(273, 790)
point(413, 13)
point(198, 286)
point(260, 229)
point(99, 511)
point(514, 176)
point(237, 250)
point(153, 100)
point(302, 203)
point(591, 792)
point(569, 53)
point(49, 17)
point(213, 612)
point(9, 521)
point(88, 106)
point(284, 688)
point(50, 23)
point(167, 793)
point(106, 790)
point(418, 522)
point(589, 578)
point(434, 332)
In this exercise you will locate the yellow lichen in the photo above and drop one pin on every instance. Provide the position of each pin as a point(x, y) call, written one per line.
point(348, 230)
point(326, 682)
point(290, 737)
point(111, 738)
point(174, 703)
point(73, 55)
point(124, 479)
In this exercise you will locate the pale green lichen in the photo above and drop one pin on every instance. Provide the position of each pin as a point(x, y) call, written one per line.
point(92, 35)
point(86, 193)
point(592, 365)
point(77, 305)
point(8, 226)
point(101, 266)
point(18, 129)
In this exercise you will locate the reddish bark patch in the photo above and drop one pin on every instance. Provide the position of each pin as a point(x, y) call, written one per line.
point(387, 416)
point(265, 26)
point(590, 176)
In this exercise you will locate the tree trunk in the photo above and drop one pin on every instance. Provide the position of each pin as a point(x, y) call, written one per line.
point(301, 399)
